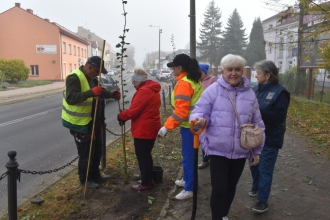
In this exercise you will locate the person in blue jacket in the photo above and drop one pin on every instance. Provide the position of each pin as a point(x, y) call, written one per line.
point(274, 102)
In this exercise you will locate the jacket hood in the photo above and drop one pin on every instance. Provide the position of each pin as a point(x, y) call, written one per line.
point(245, 85)
point(152, 85)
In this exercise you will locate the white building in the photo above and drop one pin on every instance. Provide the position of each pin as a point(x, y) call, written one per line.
point(281, 40)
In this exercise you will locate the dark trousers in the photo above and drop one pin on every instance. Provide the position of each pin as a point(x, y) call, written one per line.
point(83, 145)
point(143, 148)
point(225, 174)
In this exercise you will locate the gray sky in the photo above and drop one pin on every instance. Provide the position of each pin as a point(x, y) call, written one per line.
point(104, 18)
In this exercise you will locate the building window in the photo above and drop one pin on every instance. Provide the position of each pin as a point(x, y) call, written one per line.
point(74, 50)
point(85, 53)
point(82, 52)
point(64, 47)
point(69, 48)
point(70, 66)
point(78, 51)
point(75, 66)
point(34, 70)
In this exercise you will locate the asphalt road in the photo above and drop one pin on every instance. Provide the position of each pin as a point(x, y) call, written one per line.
point(34, 130)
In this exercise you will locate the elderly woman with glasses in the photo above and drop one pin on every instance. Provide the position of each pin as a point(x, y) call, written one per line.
point(221, 138)
point(145, 120)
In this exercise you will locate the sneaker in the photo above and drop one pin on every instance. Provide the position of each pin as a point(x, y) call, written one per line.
point(140, 187)
point(90, 185)
point(253, 193)
point(180, 182)
point(225, 218)
point(152, 182)
point(184, 195)
point(203, 165)
point(261, 207)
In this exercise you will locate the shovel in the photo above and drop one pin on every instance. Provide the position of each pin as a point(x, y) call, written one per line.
point(196, 145)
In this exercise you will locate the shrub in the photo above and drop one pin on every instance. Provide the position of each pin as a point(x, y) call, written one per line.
point(4, 85)
point(14, 69)
point(294, 81)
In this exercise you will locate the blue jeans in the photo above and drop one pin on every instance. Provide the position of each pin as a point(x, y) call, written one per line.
point(262, 174)
point(187, 141)
point(205, 157)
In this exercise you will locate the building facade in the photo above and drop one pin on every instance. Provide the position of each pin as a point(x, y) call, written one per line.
point(48, 49)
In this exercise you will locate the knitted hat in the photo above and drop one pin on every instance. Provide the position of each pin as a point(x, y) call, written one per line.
point(204, 67)
point(139, 75)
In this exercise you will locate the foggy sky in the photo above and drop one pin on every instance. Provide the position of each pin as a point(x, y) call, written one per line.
point(105, 19)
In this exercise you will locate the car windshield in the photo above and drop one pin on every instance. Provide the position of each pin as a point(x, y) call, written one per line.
point(106, 79)
point(166, 71)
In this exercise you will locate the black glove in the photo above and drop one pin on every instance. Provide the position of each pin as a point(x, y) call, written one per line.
point(121, 122)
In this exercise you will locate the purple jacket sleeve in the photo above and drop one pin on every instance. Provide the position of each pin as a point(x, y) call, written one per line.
point(258, 120)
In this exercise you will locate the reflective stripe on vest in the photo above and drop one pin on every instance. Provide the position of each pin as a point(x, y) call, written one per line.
point(198, 90)
point(80, 113)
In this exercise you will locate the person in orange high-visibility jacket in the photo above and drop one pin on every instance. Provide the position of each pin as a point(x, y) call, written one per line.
point(183, 98)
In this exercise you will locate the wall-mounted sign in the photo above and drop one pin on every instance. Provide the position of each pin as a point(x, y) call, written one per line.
point(46, 49)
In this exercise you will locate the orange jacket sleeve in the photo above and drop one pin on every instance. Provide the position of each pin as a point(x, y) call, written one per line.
point(183, 92)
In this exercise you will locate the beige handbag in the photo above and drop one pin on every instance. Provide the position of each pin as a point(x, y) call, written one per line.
point(251, 134)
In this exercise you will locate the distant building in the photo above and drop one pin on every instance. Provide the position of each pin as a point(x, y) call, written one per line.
point(281, 40)
point(47, 48)
point(109, 53)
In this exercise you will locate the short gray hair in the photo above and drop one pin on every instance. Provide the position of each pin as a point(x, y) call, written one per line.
point(232, 60)
point(268, 67)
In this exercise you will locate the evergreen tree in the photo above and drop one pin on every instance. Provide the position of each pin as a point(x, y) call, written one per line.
point(255, 50)
point(234, 38)
point(210, 35)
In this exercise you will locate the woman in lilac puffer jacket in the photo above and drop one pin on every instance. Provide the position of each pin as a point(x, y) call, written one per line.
point(221, 138)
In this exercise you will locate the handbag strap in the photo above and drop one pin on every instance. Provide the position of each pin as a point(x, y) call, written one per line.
point(232, 103)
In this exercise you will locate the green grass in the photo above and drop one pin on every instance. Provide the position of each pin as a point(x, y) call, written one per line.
point(311, 119)
point(32, 83)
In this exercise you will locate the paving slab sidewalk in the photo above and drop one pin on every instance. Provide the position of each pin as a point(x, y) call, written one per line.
point(23, 94)
point(300, 190)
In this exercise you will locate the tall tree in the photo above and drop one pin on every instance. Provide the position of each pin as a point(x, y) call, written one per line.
point(255, 50)
point(210, 34)
point(234, 37)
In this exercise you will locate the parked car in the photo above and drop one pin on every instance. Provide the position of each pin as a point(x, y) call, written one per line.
point(116, 70)
point(163, 75)
point(111, 73)
point(153, 72)
point(108, 83)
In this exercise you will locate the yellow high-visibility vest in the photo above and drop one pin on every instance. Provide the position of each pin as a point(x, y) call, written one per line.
point(80, 113)
point(198, 90)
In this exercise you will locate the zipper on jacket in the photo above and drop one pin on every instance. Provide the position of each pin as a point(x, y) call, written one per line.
point(233, 145)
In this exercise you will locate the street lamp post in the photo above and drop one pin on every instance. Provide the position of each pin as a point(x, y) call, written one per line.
point(160, 31)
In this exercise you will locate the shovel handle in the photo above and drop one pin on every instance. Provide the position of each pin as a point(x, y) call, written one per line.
point(196, 133)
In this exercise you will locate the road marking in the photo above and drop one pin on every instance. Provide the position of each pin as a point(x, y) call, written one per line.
point(29, 117)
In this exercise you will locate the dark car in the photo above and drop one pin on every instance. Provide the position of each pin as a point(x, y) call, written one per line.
point(108, 83)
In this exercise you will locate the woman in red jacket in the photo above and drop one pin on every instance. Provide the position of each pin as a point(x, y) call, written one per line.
point(145, 123)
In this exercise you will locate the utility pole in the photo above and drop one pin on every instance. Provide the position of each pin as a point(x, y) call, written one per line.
point(192, 29)
point(300, 71)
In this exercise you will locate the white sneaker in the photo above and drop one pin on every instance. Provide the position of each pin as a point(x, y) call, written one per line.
point(180, 182)
point(184, 195)
point(225, 218)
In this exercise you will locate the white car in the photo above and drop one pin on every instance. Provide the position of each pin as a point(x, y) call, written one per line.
point(111, 73)
point(163, 75)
